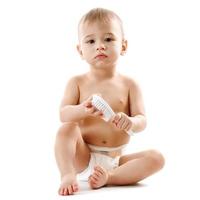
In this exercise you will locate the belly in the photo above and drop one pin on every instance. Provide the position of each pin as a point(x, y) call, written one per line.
point(98, 132)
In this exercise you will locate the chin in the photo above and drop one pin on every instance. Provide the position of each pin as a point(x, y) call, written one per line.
point(103, 66)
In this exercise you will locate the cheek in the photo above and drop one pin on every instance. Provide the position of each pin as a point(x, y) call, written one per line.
point(86, 52)
point(115, 52)
point(116, 49)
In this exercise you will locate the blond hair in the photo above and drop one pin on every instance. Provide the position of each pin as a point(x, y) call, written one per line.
point(102, 15)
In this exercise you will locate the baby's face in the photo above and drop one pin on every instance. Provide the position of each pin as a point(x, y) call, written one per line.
point(101, 44)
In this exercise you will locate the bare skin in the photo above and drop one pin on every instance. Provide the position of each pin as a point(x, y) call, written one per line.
point(99, 178)
point(78, 134)
point(83, 123)
point(126, 174)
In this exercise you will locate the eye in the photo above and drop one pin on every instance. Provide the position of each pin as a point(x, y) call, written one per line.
point(90, 41)
point(109, 39)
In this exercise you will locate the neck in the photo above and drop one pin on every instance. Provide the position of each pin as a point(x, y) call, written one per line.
point(102, 73)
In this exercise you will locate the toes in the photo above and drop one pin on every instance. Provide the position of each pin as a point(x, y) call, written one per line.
point(68, 190)
point(96, 176)
point(65, 192)
point(62, 191)
point(99, 169)
point(92, 181)
point(93, 185)
point(75, 187)
point(96, 180)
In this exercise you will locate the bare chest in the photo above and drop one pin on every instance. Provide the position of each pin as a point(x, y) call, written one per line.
point(116, 94)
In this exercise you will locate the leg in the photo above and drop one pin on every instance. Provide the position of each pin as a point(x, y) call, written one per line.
point(72, 156)
point(133, 168)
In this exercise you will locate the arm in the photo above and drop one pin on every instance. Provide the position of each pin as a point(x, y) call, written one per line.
point(137, 111)
point(137, 120)
point(70, 111)
point(138, 123)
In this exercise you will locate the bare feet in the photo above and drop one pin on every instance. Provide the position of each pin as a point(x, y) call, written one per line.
point(99, 177)
point(68, 185)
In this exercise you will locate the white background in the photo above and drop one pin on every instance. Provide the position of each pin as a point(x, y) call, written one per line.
point(37, 56)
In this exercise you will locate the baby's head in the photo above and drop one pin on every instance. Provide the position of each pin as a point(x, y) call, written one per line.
point(100, 31)
point(102, 16)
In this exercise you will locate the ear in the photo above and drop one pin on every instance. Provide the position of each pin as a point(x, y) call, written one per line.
point(78, 47)
point(124, 47)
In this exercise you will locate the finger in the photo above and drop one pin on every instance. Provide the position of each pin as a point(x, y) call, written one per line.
point(128, 127)
point(98, 113)
point(88, 104)
point(120, 123)
point(115, 118)
point(90, 110)
point(112, 119)
point(118, 116)
point(125, 124)
point(89, 98)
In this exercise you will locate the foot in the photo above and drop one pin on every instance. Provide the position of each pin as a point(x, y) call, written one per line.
point(99, 177)
point(68, 185)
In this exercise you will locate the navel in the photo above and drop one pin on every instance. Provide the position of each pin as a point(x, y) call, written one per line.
point(104, 141)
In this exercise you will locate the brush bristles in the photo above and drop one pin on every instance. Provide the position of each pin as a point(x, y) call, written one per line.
point(103, 106)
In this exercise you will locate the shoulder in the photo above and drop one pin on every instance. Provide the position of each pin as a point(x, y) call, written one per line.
point(76, 80)
point(129, 81)
point(72, 91)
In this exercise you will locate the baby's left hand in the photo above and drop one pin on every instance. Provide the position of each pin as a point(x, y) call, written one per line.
point(121, 121)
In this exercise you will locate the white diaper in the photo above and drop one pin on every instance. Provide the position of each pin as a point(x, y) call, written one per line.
point(107, 157)
point(105, 161)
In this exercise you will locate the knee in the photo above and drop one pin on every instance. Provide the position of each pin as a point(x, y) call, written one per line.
point(156, 159)
point(68, 129)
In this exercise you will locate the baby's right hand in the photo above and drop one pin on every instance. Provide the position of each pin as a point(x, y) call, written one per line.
point(91, 110)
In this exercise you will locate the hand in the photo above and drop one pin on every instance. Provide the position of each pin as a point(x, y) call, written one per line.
point(91, 110)
point(121, 121)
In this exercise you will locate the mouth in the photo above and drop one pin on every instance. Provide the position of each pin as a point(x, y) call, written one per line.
point(101, 56)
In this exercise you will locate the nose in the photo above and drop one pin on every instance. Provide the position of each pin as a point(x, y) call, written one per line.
point(100, 46)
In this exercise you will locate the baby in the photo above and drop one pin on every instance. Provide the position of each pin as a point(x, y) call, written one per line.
point(88, 147)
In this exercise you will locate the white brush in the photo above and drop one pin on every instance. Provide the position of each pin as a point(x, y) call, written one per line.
point(103, 106)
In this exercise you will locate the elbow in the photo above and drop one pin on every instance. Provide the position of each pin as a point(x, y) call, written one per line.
point(65, 116)
point(62, 116)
